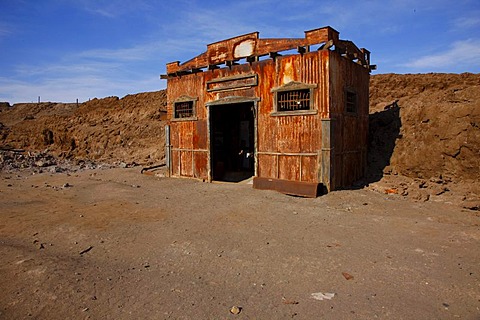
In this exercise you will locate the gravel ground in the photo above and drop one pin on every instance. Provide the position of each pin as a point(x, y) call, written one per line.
point(111, 243)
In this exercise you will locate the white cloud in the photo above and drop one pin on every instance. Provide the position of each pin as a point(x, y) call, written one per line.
point(210, 25)
point(138, 52)
point(460, 54)
point(111, 8)
point(86, 75)
point(465, 23)
point(68, 89)
point(5, 30)
point(61, 69)
point(59, 90)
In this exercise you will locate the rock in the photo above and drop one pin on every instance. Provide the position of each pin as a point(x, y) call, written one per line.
point(438, 190)
point(391, 191)
point(471, 205)
point(286, 301)
point(322, 296)
point(235, 310)
point(347, 276)
point(420, 195)
point(40, 163)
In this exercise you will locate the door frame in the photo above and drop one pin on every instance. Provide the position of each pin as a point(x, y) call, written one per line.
point(228, 101)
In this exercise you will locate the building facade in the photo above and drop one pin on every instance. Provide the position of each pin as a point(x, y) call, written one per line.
point(291, 113)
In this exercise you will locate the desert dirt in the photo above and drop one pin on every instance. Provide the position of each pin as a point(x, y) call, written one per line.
point(85, 235)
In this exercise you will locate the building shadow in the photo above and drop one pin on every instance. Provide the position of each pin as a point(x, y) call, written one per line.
point(384, 130)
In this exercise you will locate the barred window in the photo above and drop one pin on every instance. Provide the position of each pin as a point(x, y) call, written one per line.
point(293, 100)
point(184, 109)
point(351, 101)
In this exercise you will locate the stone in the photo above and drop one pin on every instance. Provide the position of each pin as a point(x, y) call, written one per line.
point(235, 310)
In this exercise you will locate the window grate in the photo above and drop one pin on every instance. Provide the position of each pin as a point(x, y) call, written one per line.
point(184, 109)
point(351, 105)
point(293, 100)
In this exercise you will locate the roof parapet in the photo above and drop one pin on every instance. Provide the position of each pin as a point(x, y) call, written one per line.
point(251, 47)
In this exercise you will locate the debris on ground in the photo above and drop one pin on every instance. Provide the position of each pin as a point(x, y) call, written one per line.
point(347, 276)
point(235, 310)
point(322, 296)
point(86, 250)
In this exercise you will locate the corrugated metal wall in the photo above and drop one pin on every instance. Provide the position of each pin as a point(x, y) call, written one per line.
point(287, 147)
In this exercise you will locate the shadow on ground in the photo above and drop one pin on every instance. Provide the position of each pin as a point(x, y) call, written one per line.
point(384, 130)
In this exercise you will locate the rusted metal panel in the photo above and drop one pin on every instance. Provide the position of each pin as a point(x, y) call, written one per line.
point(327, 163)
point(289, 167)
point(201, 165)
point(233, 48)
point(186, 163)
point(297, 134)
point(201, 135)
point(267, 165)
point(174, 135)
point(246, 93)
point(219, 52)
point(321, 35)
point(298, 188)
point(309, 166)
point(351, 128)
point(233, 82)
point(185, 86)
point(324, 84)
point(186, 136)
point(308, 66)
point(175, 169)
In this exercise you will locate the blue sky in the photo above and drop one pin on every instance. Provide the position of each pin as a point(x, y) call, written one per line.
point(63, 50)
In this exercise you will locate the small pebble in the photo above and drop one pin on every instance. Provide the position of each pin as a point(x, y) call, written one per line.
point(235, 310)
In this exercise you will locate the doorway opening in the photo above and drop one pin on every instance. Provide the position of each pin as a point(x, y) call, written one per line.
point(232, 141)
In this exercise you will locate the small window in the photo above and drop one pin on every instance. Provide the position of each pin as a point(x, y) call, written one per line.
point(184, 109)
point(293, 100)
point(351, 102)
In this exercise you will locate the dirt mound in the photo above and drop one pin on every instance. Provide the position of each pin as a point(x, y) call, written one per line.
point(130, 129)
point(424, 133)
point(426, 127)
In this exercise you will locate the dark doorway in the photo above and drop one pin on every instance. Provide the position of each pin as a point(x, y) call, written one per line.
point(232, 141)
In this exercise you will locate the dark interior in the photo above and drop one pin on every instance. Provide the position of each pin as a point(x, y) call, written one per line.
point(232, 141)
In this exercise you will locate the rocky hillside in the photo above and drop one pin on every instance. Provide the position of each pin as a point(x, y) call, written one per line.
point(128, 130)
point(424, 133)
point(437, 117)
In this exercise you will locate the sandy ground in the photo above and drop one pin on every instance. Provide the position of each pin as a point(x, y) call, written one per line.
point(116, 244)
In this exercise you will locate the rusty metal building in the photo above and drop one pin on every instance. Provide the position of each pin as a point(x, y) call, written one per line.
point(291, 113)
